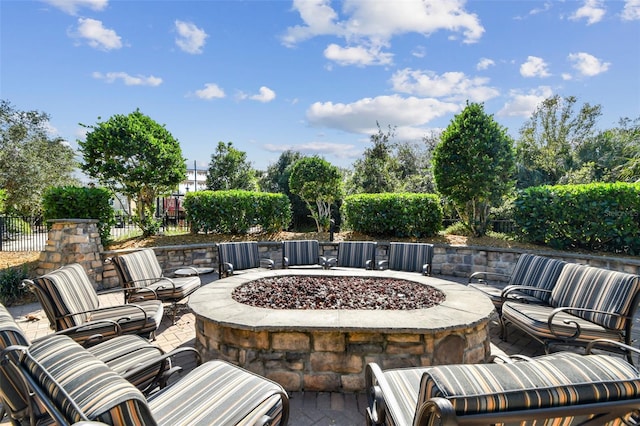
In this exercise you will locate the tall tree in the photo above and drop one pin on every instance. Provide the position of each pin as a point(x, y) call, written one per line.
point(134, 156)
point(31, 161)
point(473, 166)
point(549, 140)
point(317, 182)
point(376, 171)
point(229, 169)
point(276, 179)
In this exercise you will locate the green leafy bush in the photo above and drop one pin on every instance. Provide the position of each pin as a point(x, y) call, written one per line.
point(598, 216)
point(11, 289)
point(236, 211)
point(393, 214)
point(72, 202)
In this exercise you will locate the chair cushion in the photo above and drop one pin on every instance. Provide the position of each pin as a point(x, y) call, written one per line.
point(99, 392)
point(67, 291)
point(533, 318)
point(184, 286)
point(552, 382)
point(217, 393)
point(409, 257)
point(138, 269)
point(536, 271)
point(495, 294)
point(242, 255)
point(582, 286)
point(135, 316)
point(356, 254)
point(301, 252)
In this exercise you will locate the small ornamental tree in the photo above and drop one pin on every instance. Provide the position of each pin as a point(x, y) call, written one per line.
point(134, 156)
point(229, 169)
point(474, 165)
point(317, 182)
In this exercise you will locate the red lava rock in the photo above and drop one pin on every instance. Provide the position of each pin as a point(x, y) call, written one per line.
point(323, 292)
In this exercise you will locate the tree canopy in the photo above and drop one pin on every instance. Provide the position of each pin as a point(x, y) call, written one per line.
point(134, 156)
point(30, 160)
point(229, 169)
point(474, 165)
point(317, 182)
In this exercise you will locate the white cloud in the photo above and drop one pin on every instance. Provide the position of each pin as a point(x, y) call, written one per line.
point(374, 23)
point(592, 11)
point(96, 35)
point(71, 7)
point(127, 79)
point(534, 67)
point(345, 151)
point(210, 91)
point(485, 63)
point(190, 38)
point(361, 116)
point(588, 65)
point(452, 86)
point(265, 95)
point(523, 104)
point(545, 7)
point(357, 55)
point(631, 11)
point(567, 76)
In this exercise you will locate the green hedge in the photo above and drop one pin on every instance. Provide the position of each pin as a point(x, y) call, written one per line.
point(236, 211)
point(596, 216)
point(73, 202)
point(393, 214)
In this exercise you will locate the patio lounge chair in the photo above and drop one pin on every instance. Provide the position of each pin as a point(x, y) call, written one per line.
point(301, 253)
point(354, 254)
point(233, 257)
point(72, 385)
point(144, 365)
point(142, 278)
point(573, 389)
point(530, 274)
point(69, 300)
point(410, 257)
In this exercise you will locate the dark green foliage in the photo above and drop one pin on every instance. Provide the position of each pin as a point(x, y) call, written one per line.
point(597, 216)
point(236, 211)
point(72, 202)
point(393, 214)
point(473, 166)
point(134, 156)
point(229, 169)
point(11, 289)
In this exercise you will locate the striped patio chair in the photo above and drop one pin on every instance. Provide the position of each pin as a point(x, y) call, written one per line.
point(142, 278)
point(410, 257)
point(233, 257)
point(564, 388)
point(586, 303)
point(301, 253)
point(355, 254)
point(69, 300)
point(532, 278)
point(144, 365)
point(73, 386)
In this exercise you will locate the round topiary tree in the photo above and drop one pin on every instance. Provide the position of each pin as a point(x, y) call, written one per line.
point(474, 166)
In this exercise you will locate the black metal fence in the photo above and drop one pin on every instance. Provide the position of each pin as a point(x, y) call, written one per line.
point(18, 233)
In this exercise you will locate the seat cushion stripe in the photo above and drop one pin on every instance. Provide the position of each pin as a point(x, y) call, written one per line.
point(301, 252)
point(355, 254)
point(409, 257)
point(243, 255)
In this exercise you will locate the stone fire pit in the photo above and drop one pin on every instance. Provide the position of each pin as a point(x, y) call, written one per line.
point(327, 349)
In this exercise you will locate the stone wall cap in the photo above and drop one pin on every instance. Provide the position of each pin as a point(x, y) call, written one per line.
point(73, 220)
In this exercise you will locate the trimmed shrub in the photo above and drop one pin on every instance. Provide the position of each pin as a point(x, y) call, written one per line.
point(11, 289)
point(393, 214)
point(597, 216)
point(236, 211)
point(73, 202)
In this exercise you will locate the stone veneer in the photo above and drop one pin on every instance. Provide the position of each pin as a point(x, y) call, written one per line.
point(327, 350)
point(73, 241)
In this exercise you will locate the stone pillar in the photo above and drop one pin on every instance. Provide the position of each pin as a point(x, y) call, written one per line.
point(73, 241)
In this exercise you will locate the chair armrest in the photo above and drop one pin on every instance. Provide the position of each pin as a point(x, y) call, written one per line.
point(383, 264)
point(510, 289)
point(596, 342)
point(328, 262)
point(267, 263)
point(91, 340)
point(227, 268)
point(107, 308)
point(577, 332)
point(482, 276)
point(162, 379)
point(285, 262)
point(379, 394)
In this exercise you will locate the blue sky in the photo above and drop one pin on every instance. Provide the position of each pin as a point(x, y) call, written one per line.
point(313, 75)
